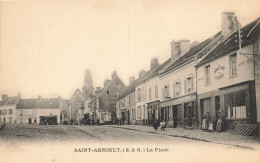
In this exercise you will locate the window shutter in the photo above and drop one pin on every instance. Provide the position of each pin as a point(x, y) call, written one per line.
point(163, 92)
point(185, 86)
point(174, 90)
point(192, 84)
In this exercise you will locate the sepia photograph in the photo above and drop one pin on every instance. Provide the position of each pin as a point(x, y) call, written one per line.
point(129, 81)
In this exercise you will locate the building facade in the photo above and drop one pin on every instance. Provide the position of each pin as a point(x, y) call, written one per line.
point(226, 79)
point(8, 108)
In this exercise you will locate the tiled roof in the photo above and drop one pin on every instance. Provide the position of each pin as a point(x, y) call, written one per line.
point(146, 76)
point(38, 103)
point(249, 34)
point(27, 104)
point(10, 101)
point(192, 52)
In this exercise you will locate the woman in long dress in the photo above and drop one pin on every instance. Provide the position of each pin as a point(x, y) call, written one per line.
point(204, 125)
point(219, 122)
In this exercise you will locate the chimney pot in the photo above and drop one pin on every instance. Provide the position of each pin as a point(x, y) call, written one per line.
point(229, 23)
point(4, 97)
point(141, 73)
point(153, 63)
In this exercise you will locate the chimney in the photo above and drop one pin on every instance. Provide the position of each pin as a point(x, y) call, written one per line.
point(229, 24)
point(141, 73)
point(153, 63)
point(113, 74)
point(4, 97)
point(98, 89)
point(106, 82)
point(175, 50)
point(131, 79)
point(184, 46)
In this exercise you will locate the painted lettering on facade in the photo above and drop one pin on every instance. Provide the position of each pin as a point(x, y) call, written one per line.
point(219, 72)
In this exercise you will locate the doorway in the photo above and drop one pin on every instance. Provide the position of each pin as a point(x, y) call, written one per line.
point(30, 120)
point(205, 106)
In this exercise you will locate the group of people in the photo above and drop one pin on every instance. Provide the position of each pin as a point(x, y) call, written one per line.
point(157, 125)
point(207, 124)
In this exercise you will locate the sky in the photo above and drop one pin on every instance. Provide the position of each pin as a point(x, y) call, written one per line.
point(45, 46)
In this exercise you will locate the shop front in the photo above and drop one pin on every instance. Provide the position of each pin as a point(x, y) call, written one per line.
point(239, 104)
point(236, 103)
point(153, 111)
point(180, 112)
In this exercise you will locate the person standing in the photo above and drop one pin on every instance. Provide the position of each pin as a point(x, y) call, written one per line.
point(204, 125)
point(219, 122)
point(155, 125)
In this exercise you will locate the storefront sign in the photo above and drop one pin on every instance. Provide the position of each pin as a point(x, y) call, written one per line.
point(177, 101)
point(235, 89)
point(219, 72)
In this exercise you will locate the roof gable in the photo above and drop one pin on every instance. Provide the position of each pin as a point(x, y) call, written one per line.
point(249, 34)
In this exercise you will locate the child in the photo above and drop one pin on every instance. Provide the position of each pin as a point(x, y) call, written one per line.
point(210, 127)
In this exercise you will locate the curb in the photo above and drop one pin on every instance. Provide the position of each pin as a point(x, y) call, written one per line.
point(188, 137)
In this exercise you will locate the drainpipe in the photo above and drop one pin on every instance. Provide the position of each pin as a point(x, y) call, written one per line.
point(196, 74)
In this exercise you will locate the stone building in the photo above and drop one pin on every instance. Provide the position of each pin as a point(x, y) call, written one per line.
point(103, 106)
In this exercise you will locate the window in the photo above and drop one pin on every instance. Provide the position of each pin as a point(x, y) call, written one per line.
point(10, 111)
point(108, 92)
point(138, 94)
point(21, 113)
point(150, 93)
point(21, 120)
point(0, 119)
point(166, 91)
point(0, 112)
point(207, 75)
point(156, 91)
point(233, 65)
point(4, 112)
point(177, 89)
point(189, 85)
point(235, 105)
point(139, 112)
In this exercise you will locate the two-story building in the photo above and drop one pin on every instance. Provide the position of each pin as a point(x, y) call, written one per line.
point(226, 76)
point(8, 108)
point(40, 111)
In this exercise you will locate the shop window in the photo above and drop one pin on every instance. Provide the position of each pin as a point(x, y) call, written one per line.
point(156, 91)
point(10, 111)
point(233, 65)
point(207, 74)
point(235, 105)
point(177, 89)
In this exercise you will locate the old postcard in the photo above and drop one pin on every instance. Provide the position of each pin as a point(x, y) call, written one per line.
point(130, 81)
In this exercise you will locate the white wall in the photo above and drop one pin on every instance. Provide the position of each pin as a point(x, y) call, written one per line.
point(179, 74)
point(7, 115)
point(245, 72)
